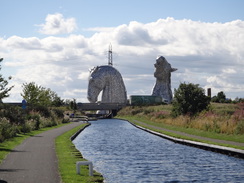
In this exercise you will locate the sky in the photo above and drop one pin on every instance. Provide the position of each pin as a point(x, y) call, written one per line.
point(54, 43)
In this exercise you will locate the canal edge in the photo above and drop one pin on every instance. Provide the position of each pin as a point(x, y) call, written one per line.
point(238, 153)
point(78, 132)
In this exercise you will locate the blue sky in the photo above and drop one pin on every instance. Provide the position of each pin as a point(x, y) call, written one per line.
point(20, 17)
point(55, 42)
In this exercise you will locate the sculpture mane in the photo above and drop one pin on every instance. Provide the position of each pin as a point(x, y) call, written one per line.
point(108, 80)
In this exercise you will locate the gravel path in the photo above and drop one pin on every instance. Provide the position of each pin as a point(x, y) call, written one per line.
point(35, 159)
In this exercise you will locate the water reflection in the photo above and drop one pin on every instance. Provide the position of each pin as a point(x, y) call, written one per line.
point(123, 153)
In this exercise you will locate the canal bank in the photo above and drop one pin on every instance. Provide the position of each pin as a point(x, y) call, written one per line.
point(206, 146)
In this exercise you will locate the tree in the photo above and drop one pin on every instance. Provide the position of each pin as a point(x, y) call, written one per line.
point(4, 90)
point(73, 104)
point(220, 98)
point(31, 93)
point(189, 99)
point(37, 95)
point(56, 100)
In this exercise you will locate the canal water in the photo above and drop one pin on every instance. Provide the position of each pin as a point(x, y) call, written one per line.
point(123, 153)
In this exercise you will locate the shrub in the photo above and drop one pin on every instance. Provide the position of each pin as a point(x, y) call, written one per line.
point(13, 119)
point(26, 127)
point(43, 110)
point(189, 99)
point(13, 113)
point(7, 130)
point(58, 112)
point(46, 122)
point(34, 118)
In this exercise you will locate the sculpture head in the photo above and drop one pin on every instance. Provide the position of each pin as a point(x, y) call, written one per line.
point(107, 79)
point(162, 68)
point(95, 85)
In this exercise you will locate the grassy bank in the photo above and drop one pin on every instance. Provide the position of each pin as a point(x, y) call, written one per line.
point(222, 121)
point(68, 155)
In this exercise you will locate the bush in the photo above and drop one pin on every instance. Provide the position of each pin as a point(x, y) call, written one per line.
point(43, 110)
point(189, 99)
point(6, 129)
point(26, 127)
point(47, 122)
point(58, 112)
point(14, 120)
point(34, 118)
point(13, 113)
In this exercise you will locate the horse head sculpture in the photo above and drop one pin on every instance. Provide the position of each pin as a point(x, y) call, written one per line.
point(107, 79)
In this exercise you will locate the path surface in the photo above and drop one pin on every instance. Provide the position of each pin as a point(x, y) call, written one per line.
point(35, 160)
point(191, 136)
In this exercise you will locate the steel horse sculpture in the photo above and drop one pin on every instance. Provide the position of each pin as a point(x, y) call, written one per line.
point(108, 80)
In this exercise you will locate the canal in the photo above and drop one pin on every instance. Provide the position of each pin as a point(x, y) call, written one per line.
point(123, 153)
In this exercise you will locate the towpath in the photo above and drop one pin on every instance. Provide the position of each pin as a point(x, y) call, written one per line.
point(35, 159)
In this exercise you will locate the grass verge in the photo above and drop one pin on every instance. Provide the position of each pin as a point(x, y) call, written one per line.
point(234, 138)
point(8, 145)
point(68, 155)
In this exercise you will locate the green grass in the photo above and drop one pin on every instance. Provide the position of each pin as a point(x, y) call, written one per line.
point(234, 138)
point(68, 155)
point(8, 145)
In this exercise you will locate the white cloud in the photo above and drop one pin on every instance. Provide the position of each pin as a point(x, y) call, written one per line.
point(229, 71)
point(100, 29)
point(84, 76)
point(16, 42)
point(57, 24)
point(209, 54)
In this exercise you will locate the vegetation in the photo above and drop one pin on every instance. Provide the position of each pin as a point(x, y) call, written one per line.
point(220, 118)
point(4, 90)
point(68, 155)
point(14, 120)
point(41, 112)
point(191, 112)
point(189, 99)
point(221, 98)
point(38, 95)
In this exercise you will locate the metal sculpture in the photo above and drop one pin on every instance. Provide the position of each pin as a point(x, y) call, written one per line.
point(108, 80)
point(162, 74)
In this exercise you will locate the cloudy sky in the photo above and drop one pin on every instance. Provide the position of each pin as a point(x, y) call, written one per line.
point(54, 43)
